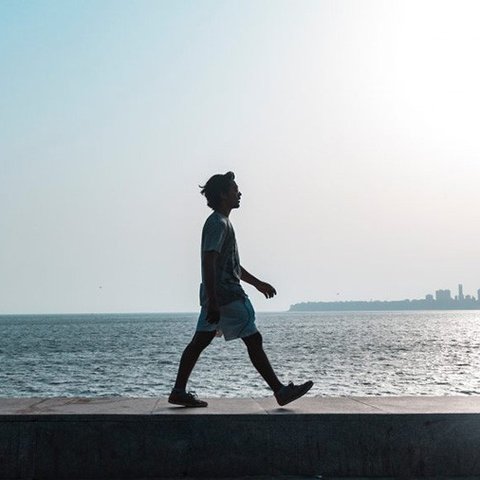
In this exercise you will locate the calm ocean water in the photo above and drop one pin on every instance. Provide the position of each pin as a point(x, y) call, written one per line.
point(344, 353)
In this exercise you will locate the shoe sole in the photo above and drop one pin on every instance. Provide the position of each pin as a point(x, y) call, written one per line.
point(188, 405)
point(300, 393)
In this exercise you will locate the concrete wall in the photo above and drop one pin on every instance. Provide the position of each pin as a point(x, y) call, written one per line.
point(144, 438)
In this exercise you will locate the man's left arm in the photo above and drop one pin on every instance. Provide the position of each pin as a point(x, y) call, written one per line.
point(262, 287)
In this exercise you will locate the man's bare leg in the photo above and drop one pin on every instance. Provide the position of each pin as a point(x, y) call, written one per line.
point(260, 361)
point(190, 356)
point(283, 393)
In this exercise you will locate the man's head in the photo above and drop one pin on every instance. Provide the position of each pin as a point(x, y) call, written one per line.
point(222, 191)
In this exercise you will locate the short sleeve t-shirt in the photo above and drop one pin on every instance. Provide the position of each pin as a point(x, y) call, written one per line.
point(218, 236)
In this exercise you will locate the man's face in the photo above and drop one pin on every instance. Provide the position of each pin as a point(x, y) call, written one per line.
point(233, 196)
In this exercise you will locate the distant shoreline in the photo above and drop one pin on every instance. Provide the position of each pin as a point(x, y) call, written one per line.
point(377, 305)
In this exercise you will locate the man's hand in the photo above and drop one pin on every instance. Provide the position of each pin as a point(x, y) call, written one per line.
point(213, 313)
point(266, 289)
point(263, 287)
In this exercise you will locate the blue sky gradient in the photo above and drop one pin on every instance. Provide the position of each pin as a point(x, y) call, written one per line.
point(352, 128)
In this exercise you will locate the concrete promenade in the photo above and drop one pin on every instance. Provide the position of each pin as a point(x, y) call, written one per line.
point(140, 438)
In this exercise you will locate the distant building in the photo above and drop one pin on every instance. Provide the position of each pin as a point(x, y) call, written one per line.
point(443, 295)
point(443, 301)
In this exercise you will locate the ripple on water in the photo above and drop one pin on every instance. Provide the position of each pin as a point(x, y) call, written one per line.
point(354, 353)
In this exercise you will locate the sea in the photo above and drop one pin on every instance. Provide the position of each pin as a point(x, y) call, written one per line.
point(344, 353)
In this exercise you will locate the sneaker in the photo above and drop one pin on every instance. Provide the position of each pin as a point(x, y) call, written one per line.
point(291, 392)
point(186, 399)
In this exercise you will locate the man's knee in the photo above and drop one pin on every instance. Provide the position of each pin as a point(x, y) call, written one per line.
point(253, 341)
point(201, 340)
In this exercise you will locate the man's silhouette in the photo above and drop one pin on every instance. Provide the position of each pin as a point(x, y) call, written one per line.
point(225, 306)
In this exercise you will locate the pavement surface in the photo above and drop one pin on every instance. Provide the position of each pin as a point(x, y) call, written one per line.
point(241, 406)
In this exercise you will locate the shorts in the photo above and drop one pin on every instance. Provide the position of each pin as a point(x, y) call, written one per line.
point(237, 320)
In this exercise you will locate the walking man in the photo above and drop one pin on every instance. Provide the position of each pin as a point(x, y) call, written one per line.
point(224, 304)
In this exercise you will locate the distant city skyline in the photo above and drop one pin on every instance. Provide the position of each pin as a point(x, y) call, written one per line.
point(443, 300)
point(446, 295)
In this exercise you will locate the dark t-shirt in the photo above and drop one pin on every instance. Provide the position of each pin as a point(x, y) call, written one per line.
point(218, 236)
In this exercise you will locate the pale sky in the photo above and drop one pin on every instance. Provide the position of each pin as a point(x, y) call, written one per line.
point(352, 128)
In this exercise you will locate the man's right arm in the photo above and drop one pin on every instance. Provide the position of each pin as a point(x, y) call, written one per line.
point(209, 262)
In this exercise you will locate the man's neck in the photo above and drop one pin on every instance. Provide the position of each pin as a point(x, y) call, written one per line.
point(225, 211)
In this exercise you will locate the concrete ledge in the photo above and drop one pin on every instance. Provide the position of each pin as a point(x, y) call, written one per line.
point(126, 438)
